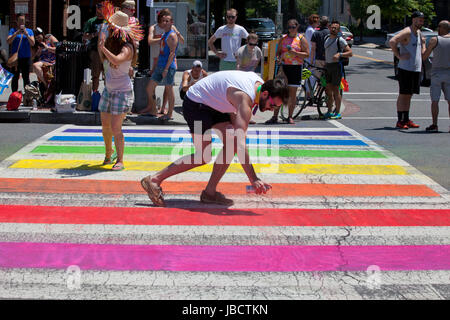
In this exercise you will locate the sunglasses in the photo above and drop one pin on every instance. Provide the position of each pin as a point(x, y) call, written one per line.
point(292, 27)
point(252, 44)
point(231, 17)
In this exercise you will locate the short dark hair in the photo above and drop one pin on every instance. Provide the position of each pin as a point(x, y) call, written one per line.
point(324, 21)
point(163, 13)
point(335, 22)
point(276, 88)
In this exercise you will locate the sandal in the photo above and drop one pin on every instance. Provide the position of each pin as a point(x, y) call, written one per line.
point(118, 167)
point(272, 120)
point(290, 120)
point(111, 159)
point(153, 191)
point(218, 198)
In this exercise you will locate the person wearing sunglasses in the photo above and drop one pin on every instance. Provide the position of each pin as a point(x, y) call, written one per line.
point(249, 56)
point(292, 49)
point(223, 101)
point(231, 36)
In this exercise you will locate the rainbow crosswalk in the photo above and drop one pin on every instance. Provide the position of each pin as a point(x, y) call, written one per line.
point(340, 206)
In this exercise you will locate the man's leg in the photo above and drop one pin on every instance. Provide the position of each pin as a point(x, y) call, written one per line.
point(338, 99)
point(151, 104)
point(435, 111)
point(25, 66)
point(330, 100)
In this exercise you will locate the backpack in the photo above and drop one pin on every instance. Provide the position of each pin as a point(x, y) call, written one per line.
point(344, 61)
point(14, 101)
point(32, 92)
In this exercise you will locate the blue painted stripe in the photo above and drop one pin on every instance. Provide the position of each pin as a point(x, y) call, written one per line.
point(250, 132)
point(189, 140)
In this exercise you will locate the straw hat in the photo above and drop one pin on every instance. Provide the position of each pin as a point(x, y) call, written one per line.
point(120, 25)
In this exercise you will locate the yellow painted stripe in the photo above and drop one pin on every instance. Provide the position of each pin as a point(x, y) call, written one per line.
point(235, 167)
point(373, 59)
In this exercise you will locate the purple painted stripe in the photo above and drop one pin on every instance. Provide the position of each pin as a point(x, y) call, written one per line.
point(225, 258)
point(253, 132)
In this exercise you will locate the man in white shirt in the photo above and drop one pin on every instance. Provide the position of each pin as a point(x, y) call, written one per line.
point(223, 101)
point(231, 35)
point(313, 22)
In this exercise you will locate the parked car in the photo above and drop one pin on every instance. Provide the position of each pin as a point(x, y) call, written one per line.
point(426, 65)
point(263, 27)
point(347, 35)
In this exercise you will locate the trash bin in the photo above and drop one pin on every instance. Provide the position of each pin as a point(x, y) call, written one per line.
point(71, 60)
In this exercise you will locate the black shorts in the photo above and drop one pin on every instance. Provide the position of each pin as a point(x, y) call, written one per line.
point(334, 73)
point(408, 81)
point(206, 116)
point(293, 74)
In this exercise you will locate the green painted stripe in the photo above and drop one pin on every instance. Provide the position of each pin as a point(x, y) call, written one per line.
point(292, 153)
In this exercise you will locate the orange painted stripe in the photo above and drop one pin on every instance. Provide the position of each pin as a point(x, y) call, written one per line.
point(194, 187)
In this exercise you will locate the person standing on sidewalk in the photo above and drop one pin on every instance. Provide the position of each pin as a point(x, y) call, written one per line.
point(292, 49)
point(164, 73)
point(412, 46)
point(91, 31)
point(231, 36)
point(318, 45)
point(249, 56)
point(440, 71)
point(222, 101)
point(25, 37)
point(117, 98)
point(336, 48)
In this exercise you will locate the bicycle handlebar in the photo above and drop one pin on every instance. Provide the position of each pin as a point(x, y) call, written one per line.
point(312, 66)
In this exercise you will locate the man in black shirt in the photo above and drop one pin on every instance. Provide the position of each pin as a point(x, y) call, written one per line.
point(318, 44)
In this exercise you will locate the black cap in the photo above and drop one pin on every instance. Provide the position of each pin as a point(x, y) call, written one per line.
point(417, 14)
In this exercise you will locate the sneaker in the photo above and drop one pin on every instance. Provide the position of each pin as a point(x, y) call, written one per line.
point(411, 124)
point(272, 120)
point(328, 115)
point(128, 122)
point(218, 198)
point(336, 116)
point(401, 125)
point(432, 128)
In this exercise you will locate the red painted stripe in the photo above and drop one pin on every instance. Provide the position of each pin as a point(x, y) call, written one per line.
point(230, 188)
point(223, 217)
point(223, 258)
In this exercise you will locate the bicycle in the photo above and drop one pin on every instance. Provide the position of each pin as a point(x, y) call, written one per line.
point(318, 98)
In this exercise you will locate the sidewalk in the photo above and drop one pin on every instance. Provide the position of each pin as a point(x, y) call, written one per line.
point(26, 114)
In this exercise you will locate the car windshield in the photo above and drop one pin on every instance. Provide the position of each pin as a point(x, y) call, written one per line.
point(259, 25)
point(344, 29)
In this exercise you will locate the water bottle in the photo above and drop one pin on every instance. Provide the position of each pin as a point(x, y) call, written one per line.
point(34, 104)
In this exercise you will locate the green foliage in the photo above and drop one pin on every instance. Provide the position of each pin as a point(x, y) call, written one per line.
point(261, 8)
point(308, 7)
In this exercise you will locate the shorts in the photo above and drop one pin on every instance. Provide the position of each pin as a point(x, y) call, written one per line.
point(116, 102)
point(408, 81)
point(207, 117)
point(168, 80)
point(333, 74)
point(440, 80)
point(293, 74)
point(227, 65)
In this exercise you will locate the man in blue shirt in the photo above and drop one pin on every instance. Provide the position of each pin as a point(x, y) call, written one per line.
point(15, 36)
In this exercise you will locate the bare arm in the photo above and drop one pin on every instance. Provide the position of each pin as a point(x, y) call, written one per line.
point(304, 53)
point(124, 55)
point(11, 38)
point(347, 52)
point(431, 45)
point(151, 40)
point(424, 45)
point(179, 35)
point(205, 74)
point(184, 81)
point(401, 37)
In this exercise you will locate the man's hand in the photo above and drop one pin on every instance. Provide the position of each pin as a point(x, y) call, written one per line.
point(164, 73)
point(336, 57)
point(261, 187)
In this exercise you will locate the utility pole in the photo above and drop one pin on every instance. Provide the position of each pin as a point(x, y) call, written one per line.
point(279, 21)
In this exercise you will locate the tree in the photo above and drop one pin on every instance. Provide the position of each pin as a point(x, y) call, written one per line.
point(358, 9)
point(308, 7)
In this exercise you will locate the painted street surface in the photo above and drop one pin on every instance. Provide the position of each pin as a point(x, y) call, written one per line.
point(345, 219)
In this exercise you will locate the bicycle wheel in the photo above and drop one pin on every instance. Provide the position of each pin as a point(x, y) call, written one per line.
point(300, 103)
point(321, 100)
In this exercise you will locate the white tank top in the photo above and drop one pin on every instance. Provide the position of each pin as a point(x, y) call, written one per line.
point(212, 90)
point(157, 34)
point(191, 79)
point(119, 79)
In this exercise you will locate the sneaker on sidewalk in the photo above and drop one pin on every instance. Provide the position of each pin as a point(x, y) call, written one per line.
point(328, 115)
point(432, 128)
point(411, 124)
point(336, 116)
point(128, 122)
point(401, 125)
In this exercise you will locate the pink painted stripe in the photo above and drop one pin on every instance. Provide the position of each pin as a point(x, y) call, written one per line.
point(223, 258)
